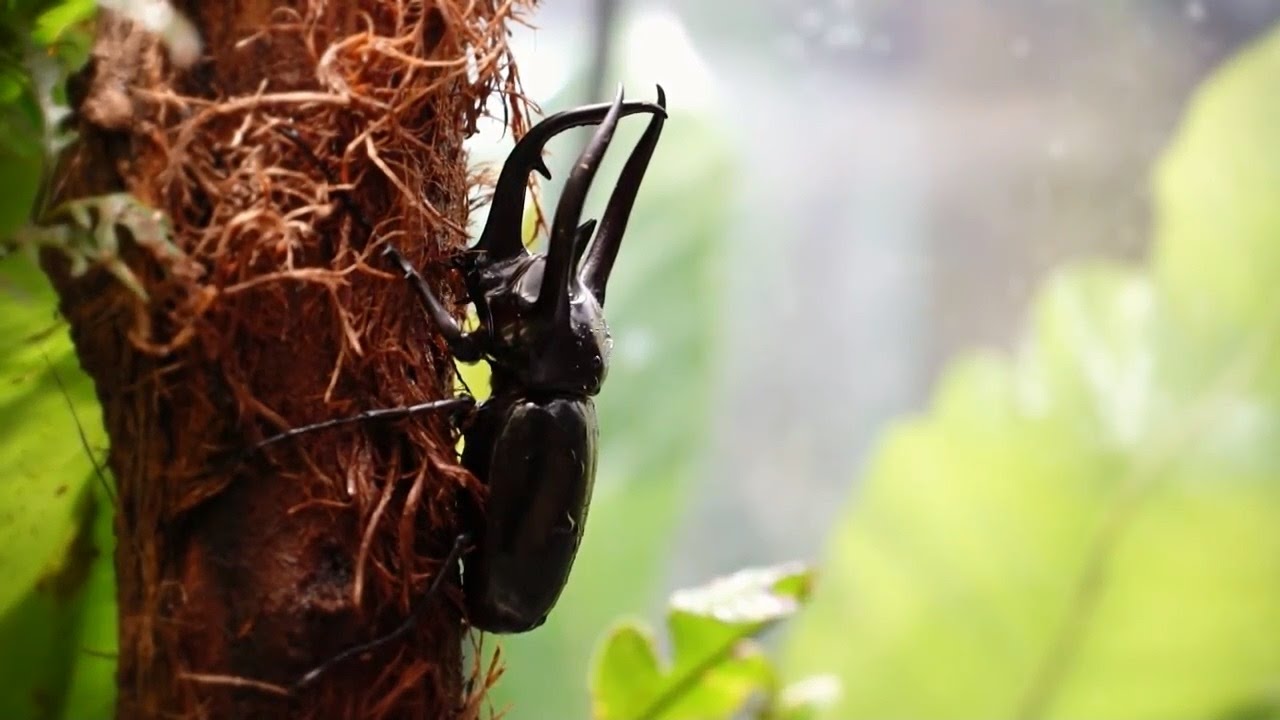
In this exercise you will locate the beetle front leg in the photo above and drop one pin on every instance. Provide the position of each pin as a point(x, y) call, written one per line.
point(464, 345)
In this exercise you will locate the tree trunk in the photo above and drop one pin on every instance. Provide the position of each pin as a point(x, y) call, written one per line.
point(272, 308)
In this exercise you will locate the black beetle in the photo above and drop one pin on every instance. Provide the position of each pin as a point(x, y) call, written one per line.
point(542, 331)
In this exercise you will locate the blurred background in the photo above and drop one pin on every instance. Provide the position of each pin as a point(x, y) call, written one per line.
point(971, 304)
point(852, 198)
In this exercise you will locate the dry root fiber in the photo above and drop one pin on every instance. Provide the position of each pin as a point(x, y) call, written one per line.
point(278, 311)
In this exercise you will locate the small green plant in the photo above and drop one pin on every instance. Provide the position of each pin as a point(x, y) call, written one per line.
point(716, 669)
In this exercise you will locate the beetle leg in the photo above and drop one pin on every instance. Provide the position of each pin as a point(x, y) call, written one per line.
point(463, 345)
point(460, 543)
point(599, 261)
point(462, 403)
point(502, 235)
point(553, 295)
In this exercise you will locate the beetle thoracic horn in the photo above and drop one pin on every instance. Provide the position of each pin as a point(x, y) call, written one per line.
point(599, 262)
point(501, 237)
point(553, 295)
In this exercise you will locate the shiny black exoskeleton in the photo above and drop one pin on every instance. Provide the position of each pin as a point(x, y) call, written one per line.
point(542, 331)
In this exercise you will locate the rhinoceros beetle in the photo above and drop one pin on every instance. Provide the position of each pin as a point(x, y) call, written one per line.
point(542, 331)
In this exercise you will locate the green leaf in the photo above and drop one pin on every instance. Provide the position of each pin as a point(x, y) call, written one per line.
point(714, 670)
point(36, 55)
point(91, 677)
point(60, 19)
point(57, 604)
point(43, 466)
point(627, 670)
point(1092, 528)
point(57, 643)
point(38, 635)
point(21, 183)
point(1215, 192)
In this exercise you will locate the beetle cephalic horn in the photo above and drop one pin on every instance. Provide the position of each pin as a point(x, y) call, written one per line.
point(599, 262)
point(553, 295)
point(502, 237)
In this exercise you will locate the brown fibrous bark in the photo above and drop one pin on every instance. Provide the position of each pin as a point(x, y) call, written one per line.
point(268, 307)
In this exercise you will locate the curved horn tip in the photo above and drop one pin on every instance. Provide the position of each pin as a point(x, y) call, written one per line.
point(662, 97)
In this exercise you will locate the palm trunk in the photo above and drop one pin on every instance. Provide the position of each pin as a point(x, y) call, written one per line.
point(272, 308)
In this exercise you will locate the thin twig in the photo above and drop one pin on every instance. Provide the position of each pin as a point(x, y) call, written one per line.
point(84, 440)
point(234, 681)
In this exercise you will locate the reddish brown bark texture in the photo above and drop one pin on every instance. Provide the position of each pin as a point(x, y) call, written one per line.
point(276, 310)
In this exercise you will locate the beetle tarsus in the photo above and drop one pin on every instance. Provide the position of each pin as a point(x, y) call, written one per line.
point(462, 344)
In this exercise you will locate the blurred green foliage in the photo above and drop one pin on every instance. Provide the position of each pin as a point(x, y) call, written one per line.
point(1092, 528)
point(40, 40)
point(57, 604)
point(715, 671)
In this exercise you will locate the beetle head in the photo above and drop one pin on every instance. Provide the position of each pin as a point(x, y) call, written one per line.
point(545, 313)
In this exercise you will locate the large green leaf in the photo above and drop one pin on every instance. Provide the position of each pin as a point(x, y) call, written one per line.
point(661, 309)
point(91, 678)
point(1218, 222)
point(1092, 528)
point(43, 465)
point(57, 644)
point(58, 594)
point(55, 515)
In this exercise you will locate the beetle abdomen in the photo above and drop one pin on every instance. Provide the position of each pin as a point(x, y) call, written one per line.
point(539, 458)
